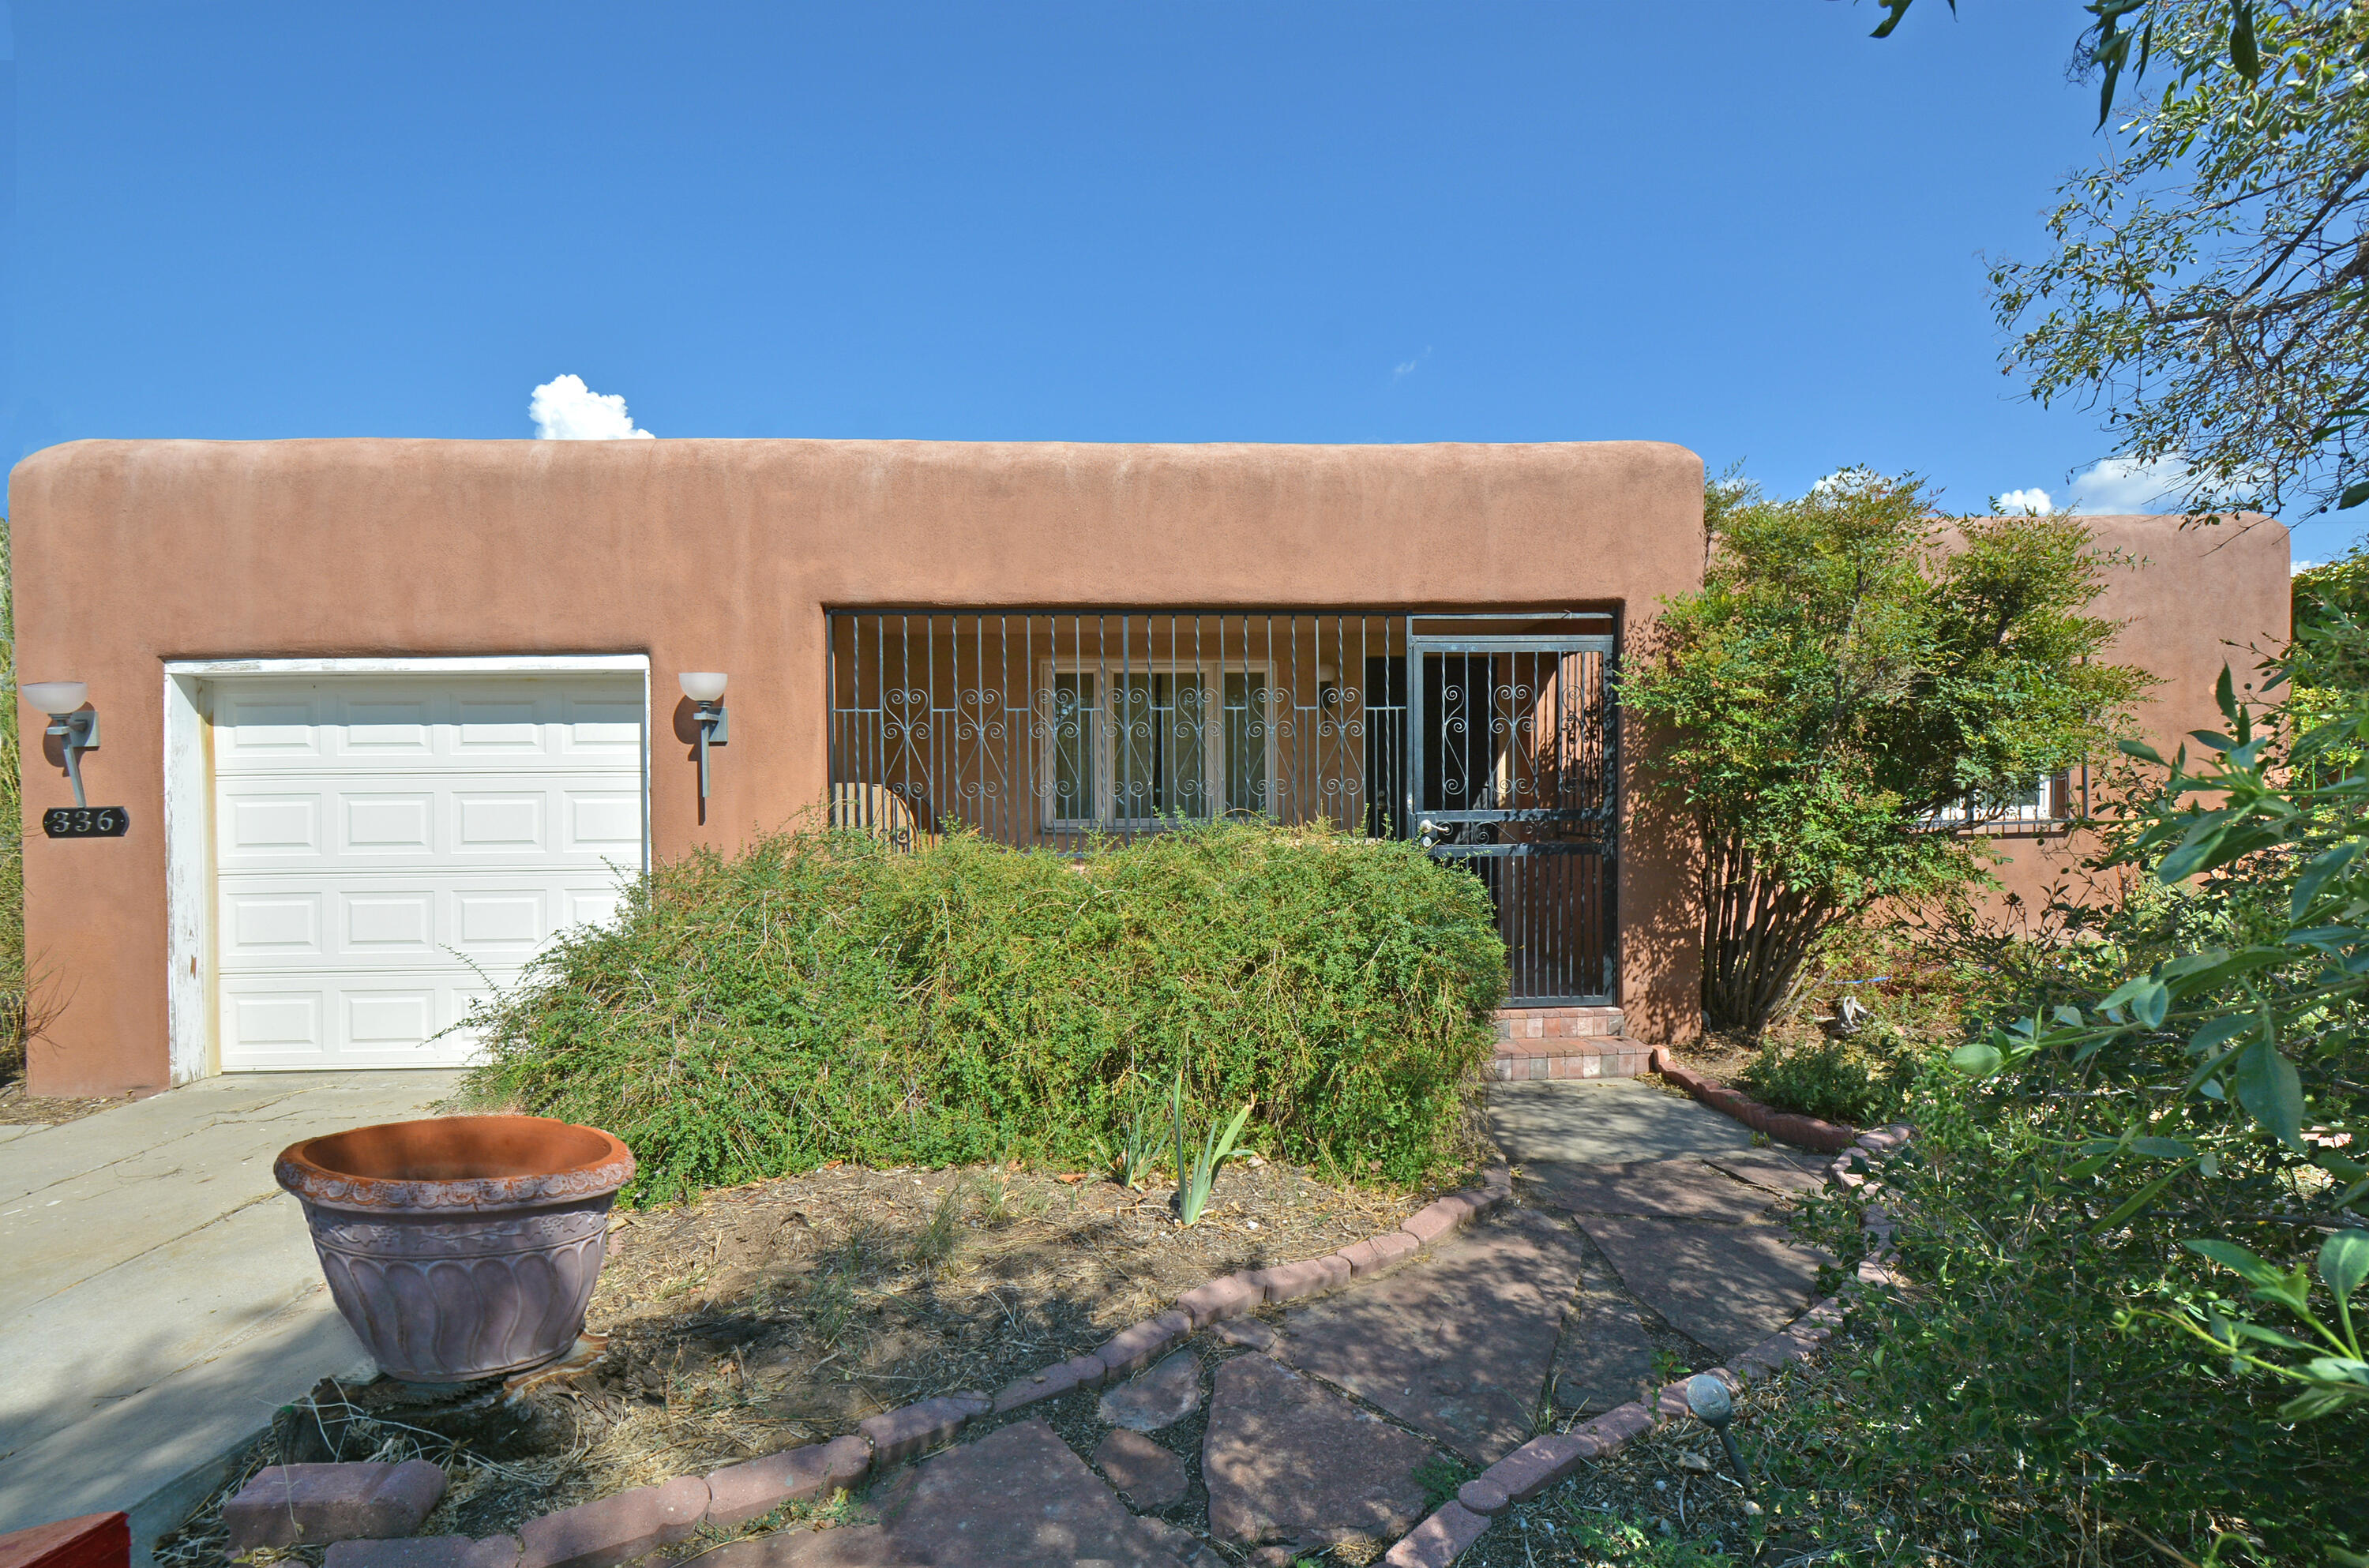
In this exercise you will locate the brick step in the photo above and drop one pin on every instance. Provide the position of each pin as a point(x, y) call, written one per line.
point(1523, 1060)
point(1519, 1024)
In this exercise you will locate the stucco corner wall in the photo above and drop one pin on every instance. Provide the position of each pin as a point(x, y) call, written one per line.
point(2189, 599)
point(727, 555)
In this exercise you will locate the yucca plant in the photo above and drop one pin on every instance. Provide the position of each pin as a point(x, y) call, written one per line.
point(1194, 1178)
point(1137, 1152)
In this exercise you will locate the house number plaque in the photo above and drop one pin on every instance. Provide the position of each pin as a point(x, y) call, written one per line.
point(86, 821)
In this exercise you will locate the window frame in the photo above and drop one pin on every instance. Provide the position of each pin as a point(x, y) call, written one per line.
point(1211, 675)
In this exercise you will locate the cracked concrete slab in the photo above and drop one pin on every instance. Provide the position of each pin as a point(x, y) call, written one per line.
point(162, 1298)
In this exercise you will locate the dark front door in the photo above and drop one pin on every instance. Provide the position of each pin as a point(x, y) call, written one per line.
point(1511, 772)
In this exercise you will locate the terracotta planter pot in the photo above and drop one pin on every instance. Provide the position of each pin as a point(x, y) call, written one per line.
point(462, 1247)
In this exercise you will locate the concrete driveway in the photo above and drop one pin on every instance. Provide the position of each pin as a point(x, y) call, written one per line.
point(159, 1297)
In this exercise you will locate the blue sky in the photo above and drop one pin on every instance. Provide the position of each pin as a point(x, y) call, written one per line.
point(1738, 224)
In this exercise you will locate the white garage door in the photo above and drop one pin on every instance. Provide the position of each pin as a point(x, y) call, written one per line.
point(387, 847)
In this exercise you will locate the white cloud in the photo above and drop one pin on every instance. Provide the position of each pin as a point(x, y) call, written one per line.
point(1400, 372)
point(2121, 485)
point(1847, 481)
point(2016, 503)
point(564, 409)
point(2295, 566)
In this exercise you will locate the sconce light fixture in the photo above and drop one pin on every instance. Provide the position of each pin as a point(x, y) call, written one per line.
point(705, 689)
point(77, 730)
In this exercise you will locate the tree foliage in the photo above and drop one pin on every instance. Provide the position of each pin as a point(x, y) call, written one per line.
point(1855, 679)
point(2209, 291)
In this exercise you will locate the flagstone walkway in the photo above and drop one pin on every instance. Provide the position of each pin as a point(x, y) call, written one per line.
point(1351, 1417)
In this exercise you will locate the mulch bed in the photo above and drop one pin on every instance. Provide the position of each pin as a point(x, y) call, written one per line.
point(763, 1317)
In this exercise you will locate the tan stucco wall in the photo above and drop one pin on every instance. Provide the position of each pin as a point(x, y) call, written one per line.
point(725, 555)
point(2189, 599)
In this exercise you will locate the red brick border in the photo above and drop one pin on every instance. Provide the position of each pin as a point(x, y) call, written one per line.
point(1802, 1132)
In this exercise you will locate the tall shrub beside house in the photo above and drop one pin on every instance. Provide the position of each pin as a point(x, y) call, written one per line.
point(818, 996)
point(1854, 679)
point(2137, 1216)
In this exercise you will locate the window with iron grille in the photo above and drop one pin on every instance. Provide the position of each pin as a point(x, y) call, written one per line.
point(1488, 736)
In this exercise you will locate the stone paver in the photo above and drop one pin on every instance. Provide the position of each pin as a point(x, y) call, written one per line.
point(1286, 1460)
point(1725, 1287)
point(1251, 1334)
point(1614, 1121)
point(1019, 1498)
point(1147, 1474)
point(849, 1546)
point(1606, 1357)
point(1774, 1169)
point(1457, 1344)
point(1660, 1189)
point(287, 1504)
point(1162, 1397)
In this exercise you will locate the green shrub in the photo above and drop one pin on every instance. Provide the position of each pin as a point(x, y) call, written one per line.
point(1862, 1080)
point(818, 996)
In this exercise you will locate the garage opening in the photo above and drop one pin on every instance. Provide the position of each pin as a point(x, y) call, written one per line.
point(386, 848)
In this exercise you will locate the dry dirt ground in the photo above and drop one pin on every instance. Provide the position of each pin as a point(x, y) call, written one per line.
point(20, 1109)
point(782, 1312)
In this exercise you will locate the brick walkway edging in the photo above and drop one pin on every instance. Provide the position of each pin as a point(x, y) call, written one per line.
point(1542, 1461)
point(625, 1524)
point(1802, 1132)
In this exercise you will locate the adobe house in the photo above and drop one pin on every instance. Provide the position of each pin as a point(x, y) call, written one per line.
point(378, 718)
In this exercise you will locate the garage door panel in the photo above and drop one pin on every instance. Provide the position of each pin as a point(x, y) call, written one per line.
point(509, 824)
point(515, 921)
point(601, 822)
point(380, 824)
point(272, 826)
point(508, 727)
point(283, 925)
point(595, 905)
point(384, 734)
point(381, 840)
point(591, 727)
point(273, 728)
point(391, 923)
point(273, 1026)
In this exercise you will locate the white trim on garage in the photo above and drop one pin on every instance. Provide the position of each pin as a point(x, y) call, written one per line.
point(191, 998)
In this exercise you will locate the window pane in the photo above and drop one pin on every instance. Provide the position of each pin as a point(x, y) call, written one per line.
point(1161, 766)
point(1075, 719)
point(1246, 701)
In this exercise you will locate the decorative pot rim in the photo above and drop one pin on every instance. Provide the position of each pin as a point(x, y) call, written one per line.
point(308, 1170)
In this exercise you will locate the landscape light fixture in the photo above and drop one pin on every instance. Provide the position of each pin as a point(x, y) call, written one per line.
point(78, 729)
point(705, 689)
point(1715, 1407)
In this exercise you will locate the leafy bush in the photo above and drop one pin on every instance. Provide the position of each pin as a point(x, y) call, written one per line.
point(2163, 1103)
point(1862, 1080)
point(818, 996)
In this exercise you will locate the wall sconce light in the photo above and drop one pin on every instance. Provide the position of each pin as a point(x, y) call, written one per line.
point(77, 730)
point(705, 689)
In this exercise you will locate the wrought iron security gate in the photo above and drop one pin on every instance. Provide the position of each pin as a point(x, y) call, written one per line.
point(1515, 769)
point(1047, 729)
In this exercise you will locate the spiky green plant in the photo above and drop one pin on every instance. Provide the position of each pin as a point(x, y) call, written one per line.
point(1195, 1177)
point(1137, 1152)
